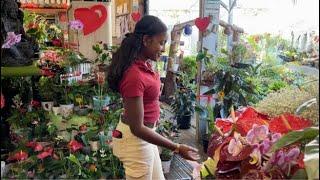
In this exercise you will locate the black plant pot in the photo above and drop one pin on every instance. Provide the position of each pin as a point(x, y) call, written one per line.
point(205, 143)
point(184, 122)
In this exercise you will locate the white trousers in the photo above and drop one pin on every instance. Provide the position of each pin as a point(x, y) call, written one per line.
point(140, 159)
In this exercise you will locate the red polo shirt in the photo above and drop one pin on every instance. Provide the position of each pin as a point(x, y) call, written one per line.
point(141, 81)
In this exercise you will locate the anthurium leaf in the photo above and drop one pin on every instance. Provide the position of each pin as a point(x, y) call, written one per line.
point(300, 174)
point(306, 134)
point(73, 159)
point(311, 159)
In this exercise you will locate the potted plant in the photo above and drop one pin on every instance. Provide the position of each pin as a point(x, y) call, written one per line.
point(184, 106)
point(104, 53)
point(82, 94)
point(66, 99)
point(46, 92)
point(100, 100)
point(166, 158)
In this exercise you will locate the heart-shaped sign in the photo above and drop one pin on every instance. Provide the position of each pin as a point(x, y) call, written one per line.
point(90, 17)
point(136, 16)
point(202, 23)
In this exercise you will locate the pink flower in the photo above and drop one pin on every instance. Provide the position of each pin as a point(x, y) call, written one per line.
point(46, 153)
point(235, 146)
point(35, 103)
point(38, 147)
point(284, 160)
point(257, 134)
point(275, 137)
point(76, 25)
point(74, 145)
point(19, 156)
point(11, 40)
point(2, 101)
point(31, 144)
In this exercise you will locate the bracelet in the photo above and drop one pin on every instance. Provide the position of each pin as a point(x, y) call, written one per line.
point(177, 149)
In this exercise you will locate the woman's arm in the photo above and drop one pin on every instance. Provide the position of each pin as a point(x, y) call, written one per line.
point(135, 113)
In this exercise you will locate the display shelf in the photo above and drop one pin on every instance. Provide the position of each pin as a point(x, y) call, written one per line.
point(31, 70)
point(46, 10)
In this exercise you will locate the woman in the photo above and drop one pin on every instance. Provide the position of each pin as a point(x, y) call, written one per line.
point(131, 74)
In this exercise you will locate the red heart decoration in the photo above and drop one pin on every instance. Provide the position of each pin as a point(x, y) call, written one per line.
point(90, 18)
point(202, 23)
point(136, 16)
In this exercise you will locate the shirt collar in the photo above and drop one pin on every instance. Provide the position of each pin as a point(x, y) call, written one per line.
point(144, 65)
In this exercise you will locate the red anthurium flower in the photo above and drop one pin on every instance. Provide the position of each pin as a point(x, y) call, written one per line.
point(288, 122)
point(2, 101)
point(47, 72)
point(56, 42)
point(245, 119)
point(46, 153)
point(35, 103)
point(19, 156)
point(116, 134)
point(74, 145)
point(38, 147)
point(31, 144)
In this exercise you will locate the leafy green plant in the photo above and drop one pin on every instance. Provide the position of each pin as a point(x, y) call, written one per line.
point(233, 90)
point(166, 154)
point(189, 66)
point(104, 53)
point(46, 88)
point(184, 102)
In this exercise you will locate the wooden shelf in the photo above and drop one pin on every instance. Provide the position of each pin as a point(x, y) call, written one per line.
point(123, 14)
point(31, 70)
point(46, 10)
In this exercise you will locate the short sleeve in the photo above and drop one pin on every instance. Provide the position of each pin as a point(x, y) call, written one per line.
point(132, 84)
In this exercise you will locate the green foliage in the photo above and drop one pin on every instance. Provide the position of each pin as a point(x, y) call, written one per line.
point(303, 136)
point(104, 53)
point(184, 102)
point(166, 154)
point(233, 90)
point(189, 66)
point(74, 58)
point(46, 88)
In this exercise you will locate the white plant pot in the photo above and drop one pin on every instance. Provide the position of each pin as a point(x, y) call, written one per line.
point(94, 145)
point(56, 110)
point(66, 109)
point(3, 164)
point(47, 106)
point(166, 166)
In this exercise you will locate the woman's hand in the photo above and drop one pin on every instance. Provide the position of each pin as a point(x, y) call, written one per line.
point(188, 152)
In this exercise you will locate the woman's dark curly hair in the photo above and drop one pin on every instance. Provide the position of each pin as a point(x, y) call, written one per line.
point(130, 48)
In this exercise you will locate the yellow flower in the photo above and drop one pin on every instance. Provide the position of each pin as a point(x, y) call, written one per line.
point(221, 95)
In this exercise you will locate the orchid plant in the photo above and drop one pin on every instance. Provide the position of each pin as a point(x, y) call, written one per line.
point(11, 40)
point(76, 25)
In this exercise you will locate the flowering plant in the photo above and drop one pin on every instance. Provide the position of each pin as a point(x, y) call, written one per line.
point(11, 40)
point(101, 78)
point(50, 63)
point(76, 25)
point(251, 145)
